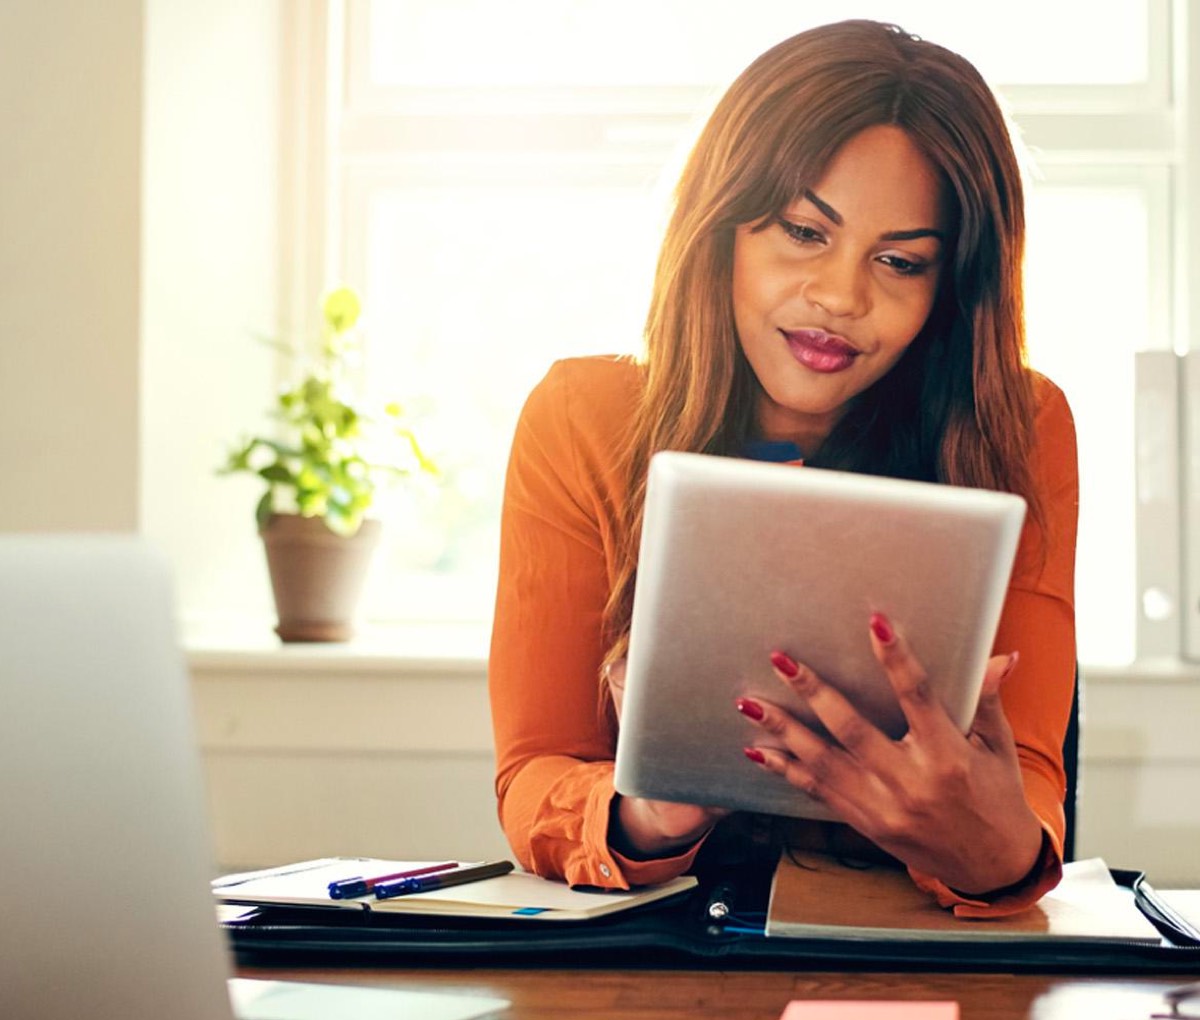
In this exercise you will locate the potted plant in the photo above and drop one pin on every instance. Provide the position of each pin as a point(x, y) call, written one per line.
point(321, 471)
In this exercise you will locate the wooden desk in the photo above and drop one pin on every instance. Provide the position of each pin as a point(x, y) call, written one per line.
point(566, 994)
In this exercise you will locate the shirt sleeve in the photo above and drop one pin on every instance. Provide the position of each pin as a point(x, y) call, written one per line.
point(1038, 620)
point(555, 734)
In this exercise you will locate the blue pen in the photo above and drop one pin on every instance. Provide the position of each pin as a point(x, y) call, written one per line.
point(348, 888)
point(406, 886)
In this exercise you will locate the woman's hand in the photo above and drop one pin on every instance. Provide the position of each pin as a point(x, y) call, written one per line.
point(641, 828)
point(945, 803)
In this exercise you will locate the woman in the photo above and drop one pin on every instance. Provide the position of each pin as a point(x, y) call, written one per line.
point(840, 283)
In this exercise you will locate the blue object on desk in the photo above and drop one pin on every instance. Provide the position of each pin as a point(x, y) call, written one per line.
point(427, 883)
point(348, 888)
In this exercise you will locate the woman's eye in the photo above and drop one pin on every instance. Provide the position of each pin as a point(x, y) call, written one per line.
point(903, 266)
point(801, 233)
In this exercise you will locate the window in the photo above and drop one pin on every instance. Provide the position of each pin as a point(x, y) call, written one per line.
point(494, 178)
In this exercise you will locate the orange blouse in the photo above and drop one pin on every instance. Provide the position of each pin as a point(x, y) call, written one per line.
point(555, 743)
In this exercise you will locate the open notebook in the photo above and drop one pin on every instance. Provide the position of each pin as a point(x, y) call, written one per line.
point(517, 895)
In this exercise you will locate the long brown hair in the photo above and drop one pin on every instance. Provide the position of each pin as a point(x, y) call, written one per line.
point(958, 407)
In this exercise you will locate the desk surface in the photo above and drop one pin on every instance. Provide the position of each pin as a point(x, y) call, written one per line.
point(566, 994)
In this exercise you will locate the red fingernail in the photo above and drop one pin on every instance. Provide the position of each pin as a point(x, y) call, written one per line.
point(754, 754)
point(750, 709)
point(785, 664)
point(1010, 665)
point(882, 629)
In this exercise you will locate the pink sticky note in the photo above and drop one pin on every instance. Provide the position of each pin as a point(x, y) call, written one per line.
point(864, 1010)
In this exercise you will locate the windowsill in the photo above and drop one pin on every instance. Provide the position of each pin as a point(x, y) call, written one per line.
point(463, 647)
point(1144, 672)
point(426, 648)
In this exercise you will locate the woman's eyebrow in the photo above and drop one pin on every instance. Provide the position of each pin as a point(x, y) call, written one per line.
point(895, 235)
point(913, 235)
point(829, 211)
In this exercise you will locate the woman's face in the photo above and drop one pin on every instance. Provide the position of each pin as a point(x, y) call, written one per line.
point(828, 296)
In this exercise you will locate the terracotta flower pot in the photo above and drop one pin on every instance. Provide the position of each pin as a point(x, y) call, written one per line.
point(317, 576)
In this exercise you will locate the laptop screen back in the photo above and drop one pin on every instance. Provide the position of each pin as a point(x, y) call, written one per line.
point(104, 852)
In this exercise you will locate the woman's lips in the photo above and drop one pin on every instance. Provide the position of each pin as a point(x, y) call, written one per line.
point(820, 351)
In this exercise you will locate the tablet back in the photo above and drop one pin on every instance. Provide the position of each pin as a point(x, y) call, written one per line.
point(742, 558)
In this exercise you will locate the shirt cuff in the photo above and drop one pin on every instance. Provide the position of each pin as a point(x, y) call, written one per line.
point(653, 870)
point(1043, 876)
point(659, 869)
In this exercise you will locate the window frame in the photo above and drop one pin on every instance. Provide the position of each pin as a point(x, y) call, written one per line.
point(350, 138)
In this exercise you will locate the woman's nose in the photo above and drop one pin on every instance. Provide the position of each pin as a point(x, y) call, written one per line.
point(837, 283)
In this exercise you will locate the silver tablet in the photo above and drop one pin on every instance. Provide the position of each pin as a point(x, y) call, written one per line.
point(741, 558)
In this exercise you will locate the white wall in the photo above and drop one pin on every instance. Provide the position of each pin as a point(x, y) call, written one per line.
point(1138, 800)
point(138, 253)
point(70, 191)
point(312, 753)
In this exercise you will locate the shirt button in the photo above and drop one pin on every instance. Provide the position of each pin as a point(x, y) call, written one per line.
point(606, 871)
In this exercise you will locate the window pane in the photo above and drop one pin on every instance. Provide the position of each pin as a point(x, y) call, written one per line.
point(473, 288)
point(682, 42)
point(473, 291)
point(1088, 298)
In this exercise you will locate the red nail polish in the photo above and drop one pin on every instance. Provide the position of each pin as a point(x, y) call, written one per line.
point(750, 709)
point(754, 754)
point(785, 664)
point(882, 629)
point(1009, 666)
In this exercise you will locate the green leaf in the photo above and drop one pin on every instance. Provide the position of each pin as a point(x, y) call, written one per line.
point(307, 478)
point(281, 449)
point(236, 460)
point(312, 504)
point(266, 507)
point(277, 473)
point(342, 523)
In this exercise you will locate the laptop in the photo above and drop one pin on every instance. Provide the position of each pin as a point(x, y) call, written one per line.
point(742, 558)
point(105, 859)
point(105, 905)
